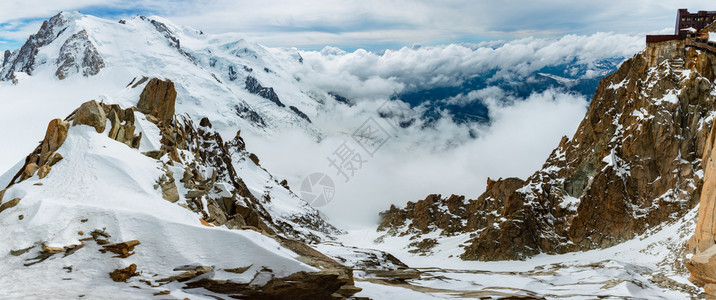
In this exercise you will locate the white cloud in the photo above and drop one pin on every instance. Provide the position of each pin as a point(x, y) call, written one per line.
point(421, 161)
point(363, 74)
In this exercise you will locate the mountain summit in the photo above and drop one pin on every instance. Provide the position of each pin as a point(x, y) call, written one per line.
point(71, 44)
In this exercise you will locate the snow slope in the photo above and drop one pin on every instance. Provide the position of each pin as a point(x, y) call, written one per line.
point(104, 185)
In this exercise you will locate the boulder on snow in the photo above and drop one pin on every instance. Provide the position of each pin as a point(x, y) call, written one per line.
point(10, 204)
point(123, 250)
point(55, 135)
point(188, 274)
point(90, 113)
point(157, 99)
point(121, 275)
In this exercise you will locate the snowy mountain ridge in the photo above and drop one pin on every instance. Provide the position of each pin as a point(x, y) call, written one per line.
point(220, 225)
point(75, 43)
point(103, 176)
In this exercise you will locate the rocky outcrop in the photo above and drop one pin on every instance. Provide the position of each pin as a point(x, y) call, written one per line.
point(254, 87)
point(232, 73)
point(123, 250)
point(157, 99)
point(300, 113)
point(23, 60)
point(122, 125)
point(633, 163)
point(703, 243)
point(78, 55)
point(55, 135)
point(5, 58)
point(121, 275)
point(301, 285)
point(247, 113)
point(172, 40)
point(90, 113)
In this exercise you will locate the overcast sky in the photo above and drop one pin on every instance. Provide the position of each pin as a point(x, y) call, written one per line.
point(369, 24)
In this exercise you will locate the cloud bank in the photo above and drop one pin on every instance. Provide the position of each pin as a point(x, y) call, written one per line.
point(364, 74)
point(418, 161)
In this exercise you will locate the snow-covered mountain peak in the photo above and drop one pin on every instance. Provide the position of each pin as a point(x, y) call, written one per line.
point(119, 52)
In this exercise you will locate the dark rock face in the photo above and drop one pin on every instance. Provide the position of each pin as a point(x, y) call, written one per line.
point(78, 55)
point(633, 163)
point(169, 35)
point(246, 112)
point(157, 99)
point(23, 60)
point(341, 99)
point(232, 73)
point(254, 87)
point(300, 113)
point(5, 58)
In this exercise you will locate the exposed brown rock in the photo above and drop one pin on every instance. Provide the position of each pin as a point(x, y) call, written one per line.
point(122, 124)
point(55, 159)
point(90, 113)
point(123, 250)
point(254, 159)
point(53, 250)
point(121, 275)
point(703, 243)
point(703, 268)
point(10, 204)
point(168, 186)
point(205, 223)
point(308, 255)
point(158, 99)
point(301, 285)
point(633, 163)
point(705, 235)
point(43, 171)
point(447, 214)
point(29, 170)
point(55, 135)
point(155, 154)
point(188, 275)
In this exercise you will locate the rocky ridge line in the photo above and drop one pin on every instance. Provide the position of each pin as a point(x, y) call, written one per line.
point(633, 163)
point(198, 150)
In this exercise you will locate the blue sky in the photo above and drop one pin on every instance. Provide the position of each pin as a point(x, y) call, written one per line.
point(369, 24)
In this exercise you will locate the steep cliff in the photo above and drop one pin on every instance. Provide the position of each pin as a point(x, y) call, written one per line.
point(702, 265)
point(633, 163)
